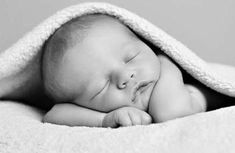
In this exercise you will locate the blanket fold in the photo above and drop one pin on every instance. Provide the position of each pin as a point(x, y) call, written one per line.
point(20, 72)
point(26, 52)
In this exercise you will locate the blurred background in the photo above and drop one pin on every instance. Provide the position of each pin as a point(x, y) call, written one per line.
point(205, 26)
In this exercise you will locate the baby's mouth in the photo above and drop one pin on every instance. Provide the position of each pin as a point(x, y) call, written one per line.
point(139, 89)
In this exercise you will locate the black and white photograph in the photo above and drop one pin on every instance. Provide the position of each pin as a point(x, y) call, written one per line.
point(116, 76)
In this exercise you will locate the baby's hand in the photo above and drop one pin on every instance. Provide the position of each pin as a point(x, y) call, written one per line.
point(126, 116)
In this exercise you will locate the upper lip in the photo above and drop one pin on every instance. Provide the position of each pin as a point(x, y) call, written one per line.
point(138, 86)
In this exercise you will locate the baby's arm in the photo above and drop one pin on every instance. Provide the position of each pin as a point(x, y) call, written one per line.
point(74, 115)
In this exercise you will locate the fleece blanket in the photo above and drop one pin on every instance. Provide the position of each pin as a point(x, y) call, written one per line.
point(21, 129)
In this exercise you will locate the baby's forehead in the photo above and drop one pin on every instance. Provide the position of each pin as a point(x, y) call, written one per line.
point(110, 28)
point(106, 37)
point(98, 51)
point(108, 25)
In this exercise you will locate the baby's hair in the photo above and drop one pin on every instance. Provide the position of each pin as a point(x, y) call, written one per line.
point(64, 38)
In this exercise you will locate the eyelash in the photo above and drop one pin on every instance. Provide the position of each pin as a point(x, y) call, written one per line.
point(130, 59)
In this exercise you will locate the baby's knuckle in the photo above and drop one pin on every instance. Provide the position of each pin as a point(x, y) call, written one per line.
point(147, 119)
point(137, 121)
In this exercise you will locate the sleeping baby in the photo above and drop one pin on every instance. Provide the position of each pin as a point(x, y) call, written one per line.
point(99, 73)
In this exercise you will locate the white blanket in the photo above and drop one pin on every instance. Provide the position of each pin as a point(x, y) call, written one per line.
point(21, 129)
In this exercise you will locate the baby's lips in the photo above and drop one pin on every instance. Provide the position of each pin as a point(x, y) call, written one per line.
point(140, 88)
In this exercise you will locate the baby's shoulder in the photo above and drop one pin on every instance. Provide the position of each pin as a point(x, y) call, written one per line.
point(169, 67)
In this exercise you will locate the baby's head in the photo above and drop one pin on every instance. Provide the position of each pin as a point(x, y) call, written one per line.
point(97, 62)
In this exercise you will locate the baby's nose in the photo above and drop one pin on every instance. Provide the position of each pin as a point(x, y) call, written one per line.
point(124, 78)
point(125, 81)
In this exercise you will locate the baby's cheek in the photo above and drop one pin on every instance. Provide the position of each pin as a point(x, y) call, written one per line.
point(115, 100)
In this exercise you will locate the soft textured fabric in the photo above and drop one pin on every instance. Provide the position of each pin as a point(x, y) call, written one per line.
point(21, 129)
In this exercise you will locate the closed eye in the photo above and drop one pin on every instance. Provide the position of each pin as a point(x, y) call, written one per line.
point(132, 57)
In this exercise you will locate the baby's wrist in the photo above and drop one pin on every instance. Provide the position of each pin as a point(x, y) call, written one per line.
point(109, 119)
point(102, 119)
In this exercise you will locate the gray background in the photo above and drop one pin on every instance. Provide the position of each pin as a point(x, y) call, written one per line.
point(205, 26)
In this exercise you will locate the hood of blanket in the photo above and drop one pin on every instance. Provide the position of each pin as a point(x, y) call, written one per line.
point(20, 64)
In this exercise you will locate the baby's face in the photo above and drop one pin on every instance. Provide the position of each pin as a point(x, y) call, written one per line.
point(109, 69)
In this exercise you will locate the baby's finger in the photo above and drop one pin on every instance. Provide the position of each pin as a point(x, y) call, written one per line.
point(124, 120)
point(146, 119)
point(135, 118)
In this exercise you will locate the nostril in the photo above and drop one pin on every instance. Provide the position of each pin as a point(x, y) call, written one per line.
point(124, 84)
point(132, 75)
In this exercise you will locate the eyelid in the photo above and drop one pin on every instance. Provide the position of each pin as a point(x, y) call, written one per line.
point(136, 54)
